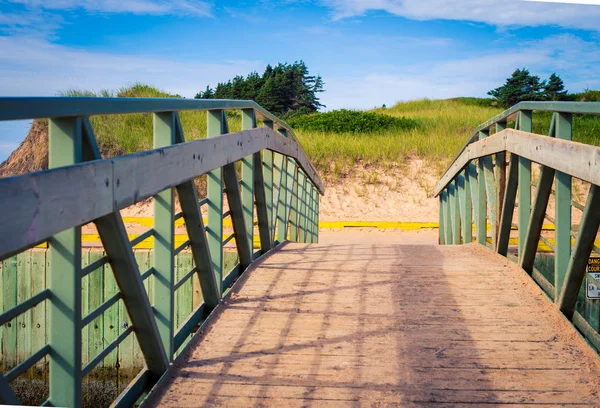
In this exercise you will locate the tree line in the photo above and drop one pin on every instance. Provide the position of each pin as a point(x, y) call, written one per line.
point(287, 90)
point(523, 86)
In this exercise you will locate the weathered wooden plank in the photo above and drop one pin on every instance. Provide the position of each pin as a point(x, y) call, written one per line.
point(562, 208)
point(23, 322)
point(536, 219)
point(9, 297)
point(48, 202)
point(237, 215)
point(65, 148)
point(38, 312)
point(248, 122)
point(508, 207)
point(165, 134)
point(579, 160)
point(477, 326)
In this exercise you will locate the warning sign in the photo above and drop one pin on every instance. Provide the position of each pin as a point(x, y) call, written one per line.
point(592, 286)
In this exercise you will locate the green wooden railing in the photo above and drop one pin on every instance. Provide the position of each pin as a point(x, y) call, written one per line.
point(278, 183)
point(479, 189)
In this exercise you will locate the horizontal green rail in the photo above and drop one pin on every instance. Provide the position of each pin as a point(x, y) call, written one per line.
point(277, 182)
point(492, 179)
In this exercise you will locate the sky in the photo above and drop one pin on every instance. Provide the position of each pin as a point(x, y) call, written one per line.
point(369, 52)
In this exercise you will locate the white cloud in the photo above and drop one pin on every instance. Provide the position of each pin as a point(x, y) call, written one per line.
point(195, 8)
point(574, 59)
point(494, 12)
point(31, 66)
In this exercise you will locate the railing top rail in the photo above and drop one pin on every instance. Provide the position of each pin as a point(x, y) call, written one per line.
point(589, 108)
point(576, 159)
point(15, 108)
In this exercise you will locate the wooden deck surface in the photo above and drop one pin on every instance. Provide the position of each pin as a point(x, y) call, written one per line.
point(384, 325)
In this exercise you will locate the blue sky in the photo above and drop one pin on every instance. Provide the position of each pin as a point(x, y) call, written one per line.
point(369, 52)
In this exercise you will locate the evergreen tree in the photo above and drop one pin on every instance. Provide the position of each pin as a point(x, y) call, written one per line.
point(555, 89)
point(521, 86)
point(286, 89)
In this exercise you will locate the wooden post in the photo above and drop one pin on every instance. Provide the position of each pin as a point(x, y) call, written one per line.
point(248, 122)
point(65, 148)
point(525, 120)
point(164, 239)
point(216, 126)
point(562, 214)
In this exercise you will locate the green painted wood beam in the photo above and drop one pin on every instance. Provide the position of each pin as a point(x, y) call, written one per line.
point(508, 207)
point(282, 213)
point(261, 204)
point(7, 395)
point(500, 179)
point(442, 221)
point(536, 219)
point(524, 189)
point(248, 122)
point(447, 216)
point(127, 275)
point(164, 239)
point(302, 207)
point(588, 229)
point(234, 198)
point(267, 159)
point(291, 181)
point(490, 190)
point(481, 208)
point(465, 207)
point(294, 207)
point(65, 147)
point(194, 224)
point(454, 213)
point(216, 126)
point(562, 210)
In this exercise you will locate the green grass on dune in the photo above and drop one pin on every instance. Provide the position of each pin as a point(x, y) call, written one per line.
point(123, 134)
point(432, 130)
point(444, 125)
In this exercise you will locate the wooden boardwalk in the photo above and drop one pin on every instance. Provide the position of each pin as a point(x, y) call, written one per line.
point(384, 325)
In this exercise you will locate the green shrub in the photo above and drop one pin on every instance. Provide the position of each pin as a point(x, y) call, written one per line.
point(344, 120)
point(589, 95)
point(481, 102)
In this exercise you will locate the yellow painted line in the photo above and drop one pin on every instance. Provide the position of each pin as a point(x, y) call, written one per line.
point(406, 226)
point(148, 243)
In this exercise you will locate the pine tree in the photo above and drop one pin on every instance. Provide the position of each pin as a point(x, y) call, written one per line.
point(285, 89)
point(555, 89)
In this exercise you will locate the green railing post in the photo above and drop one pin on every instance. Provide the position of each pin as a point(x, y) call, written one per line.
point(65, 148)
point(315, 195)
point(490, 191)
point(441, 229)
point(302, 205)
point(248, 122)
point(465, 207)
point(563, 130)
point(525, 123)
point(481, 222)
point(216, 126)
point(454, 212)
point(282, 196)
point(447, 216)
point(536, 219)
point(294, 207)
point(318, 204)
point(500, 177)
point(508, 206)
point(164, 239)
point(267, 158)
point(291, 181)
